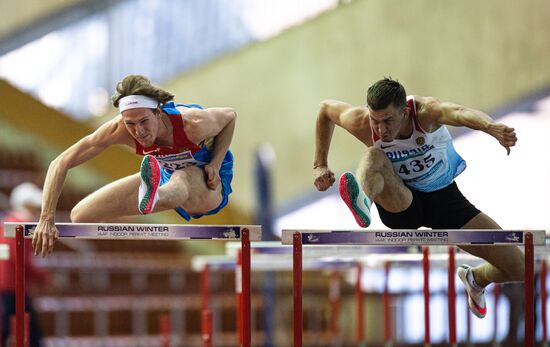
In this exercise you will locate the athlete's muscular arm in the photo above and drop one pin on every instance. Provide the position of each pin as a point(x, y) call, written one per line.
point(88, 147)
point(219, 123)
point(444, 112)
point(353, 119)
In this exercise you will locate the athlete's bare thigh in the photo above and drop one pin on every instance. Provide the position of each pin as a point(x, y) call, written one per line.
point(508, 259)
point(201, 198)
point(116, 199)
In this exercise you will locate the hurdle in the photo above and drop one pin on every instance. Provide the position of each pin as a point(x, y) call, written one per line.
point(269, 256)
point(326, 256)
point(343, 238)
point(111, 231)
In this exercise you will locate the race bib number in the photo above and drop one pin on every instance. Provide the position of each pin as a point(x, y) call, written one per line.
point(415, 166)
point(178, 161)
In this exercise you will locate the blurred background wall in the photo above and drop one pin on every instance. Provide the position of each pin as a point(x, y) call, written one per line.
point(480, 54)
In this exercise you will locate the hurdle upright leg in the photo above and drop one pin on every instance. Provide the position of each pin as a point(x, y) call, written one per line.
point(165, 329)
point(239, 296)
point(334, 296)
point(426, 268)
point(359, 311)
point(543, 296)
point(297, 288)
point(19, 287)
point(452, 297)
point(206, 314)
point(386, 299)
point(245, 258)
point(529, 291)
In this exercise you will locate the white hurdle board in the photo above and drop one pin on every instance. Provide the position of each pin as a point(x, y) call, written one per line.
point(413, 237)
point(115, 231)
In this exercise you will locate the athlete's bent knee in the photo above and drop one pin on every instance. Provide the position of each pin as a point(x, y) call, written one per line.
point(375, 153)
point(78, 215)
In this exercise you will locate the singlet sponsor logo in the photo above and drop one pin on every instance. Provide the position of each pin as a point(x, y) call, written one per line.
point(152, 151)
point(420, 140)
point(408, 153)
point(178, 161)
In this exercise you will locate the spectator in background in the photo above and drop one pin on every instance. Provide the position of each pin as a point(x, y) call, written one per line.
point(25, 201)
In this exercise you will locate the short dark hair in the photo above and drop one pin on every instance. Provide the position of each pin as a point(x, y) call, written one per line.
point(386, 92)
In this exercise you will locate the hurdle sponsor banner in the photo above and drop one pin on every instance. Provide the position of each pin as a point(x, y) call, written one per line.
point(413, 237)
point(142, 231)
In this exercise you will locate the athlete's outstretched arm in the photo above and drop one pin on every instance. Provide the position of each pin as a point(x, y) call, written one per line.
point(449, 113)
point(88, 147)
point(219, 123)
point(353, 119)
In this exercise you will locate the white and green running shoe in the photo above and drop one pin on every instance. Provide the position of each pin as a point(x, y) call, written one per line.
point(355, 199)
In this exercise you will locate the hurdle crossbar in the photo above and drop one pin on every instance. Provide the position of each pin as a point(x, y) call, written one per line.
point(111, 231)
point(264, 262)
point(276, 248)
point(413, 237)
point(369, 256)
point(312, 238)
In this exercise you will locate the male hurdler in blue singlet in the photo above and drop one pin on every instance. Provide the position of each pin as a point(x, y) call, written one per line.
point(408, 171)
point(186, 166)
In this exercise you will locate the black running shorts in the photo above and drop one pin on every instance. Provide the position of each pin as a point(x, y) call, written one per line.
point(446, 208)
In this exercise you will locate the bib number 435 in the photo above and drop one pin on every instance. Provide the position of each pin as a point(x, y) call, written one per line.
point(416, 165)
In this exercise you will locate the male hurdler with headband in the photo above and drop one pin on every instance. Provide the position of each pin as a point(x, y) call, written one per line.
point(187, 165)
point(408, 170)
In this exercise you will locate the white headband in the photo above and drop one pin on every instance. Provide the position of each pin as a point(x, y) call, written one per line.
point(136, 101)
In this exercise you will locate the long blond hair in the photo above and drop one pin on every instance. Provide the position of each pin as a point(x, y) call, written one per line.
point(139, 85)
